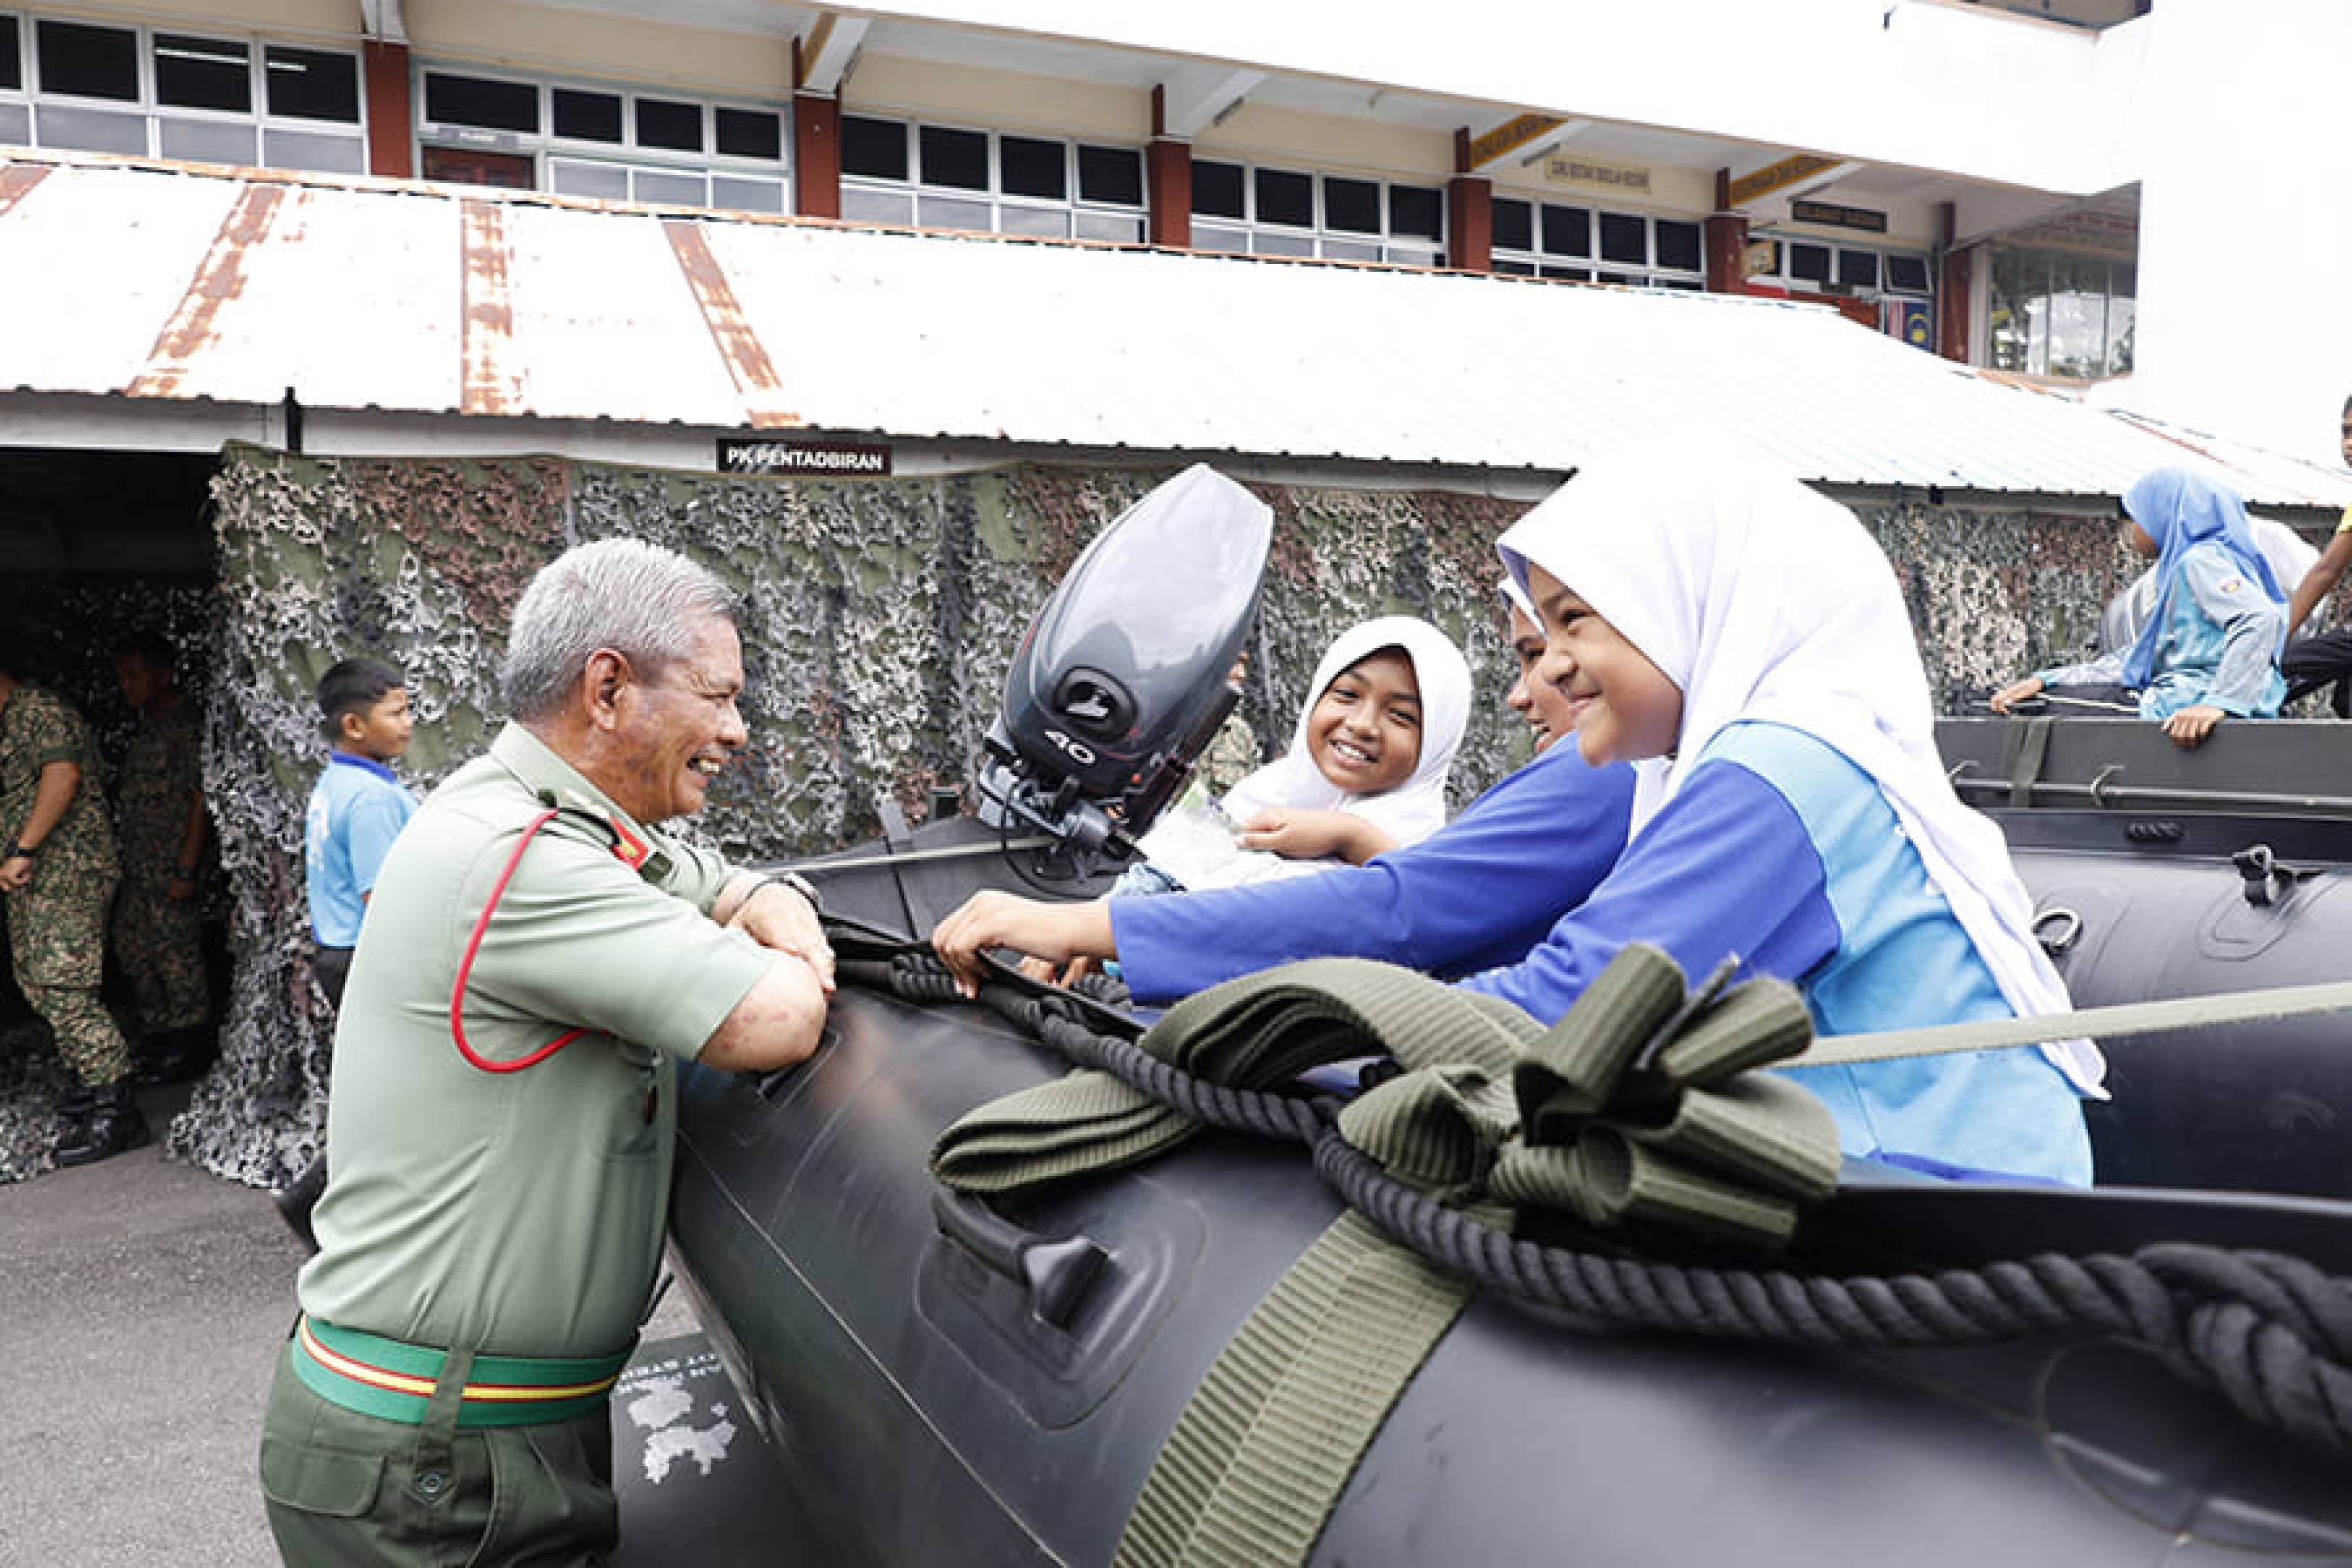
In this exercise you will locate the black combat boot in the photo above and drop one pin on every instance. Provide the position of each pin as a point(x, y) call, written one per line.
point(175, 1055)
point(299, 1197)
point(110, 1125)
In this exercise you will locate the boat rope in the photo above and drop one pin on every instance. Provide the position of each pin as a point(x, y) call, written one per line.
point(2271, 1332)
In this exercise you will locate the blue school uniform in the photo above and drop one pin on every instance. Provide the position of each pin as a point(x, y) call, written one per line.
point(1479, 892)
point(2217, 643)
point(357, 808)
point(1780, 849)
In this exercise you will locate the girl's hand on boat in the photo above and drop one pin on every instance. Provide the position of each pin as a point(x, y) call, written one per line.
point(2190, 726)
point(1056, 932)
point(2002, 700)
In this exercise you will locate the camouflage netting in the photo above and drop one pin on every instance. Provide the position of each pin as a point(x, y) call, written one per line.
point(881, 617)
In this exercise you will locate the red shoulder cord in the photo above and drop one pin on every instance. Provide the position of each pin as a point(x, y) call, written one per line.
point(466, 967)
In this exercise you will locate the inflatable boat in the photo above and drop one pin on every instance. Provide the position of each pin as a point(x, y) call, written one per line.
point(2154, 1370)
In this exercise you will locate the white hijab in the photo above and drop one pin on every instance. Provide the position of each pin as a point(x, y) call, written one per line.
point(1763, 600)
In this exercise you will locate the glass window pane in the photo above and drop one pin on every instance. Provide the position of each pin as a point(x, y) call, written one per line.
point(1352, 207)
point(1285, 197)
point(1567, 231)
point(1569, 274)
point(1516, 268)
point(1049, 223)
point(90, 129)
point(479, 100)
point(1624, 237)
point(312, 84)
point(1351, 250)
point(663, 185)
point(1418, 211)
point(93, 62)
point(1810, 263)
point(1858, 268)
point(12, 68)
point(955, 158)
point(206, 140)
point(747, 196)
point(1117, 228)
point(1112, 174)
point(16, 125)
point(750, 133)
point(1907, 274)
point(1031, 168)
point(952, 212)
point(1217, 189)
point(604, 182)
point(876, 149)
point(1209, 237)
point(1681, 246)
point(876, 206)
point(1514, 225)
point(1283, 243)
point(284, 149)
point(666, 122)
point(587, 116)
point(200, 73)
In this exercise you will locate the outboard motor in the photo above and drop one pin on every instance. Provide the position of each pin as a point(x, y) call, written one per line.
point(1121, 682)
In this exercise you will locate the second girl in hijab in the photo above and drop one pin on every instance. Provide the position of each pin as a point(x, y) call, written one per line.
point(1745, 639)
point(1365, 772)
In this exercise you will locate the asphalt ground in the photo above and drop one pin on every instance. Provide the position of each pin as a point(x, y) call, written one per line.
point(144, 1304)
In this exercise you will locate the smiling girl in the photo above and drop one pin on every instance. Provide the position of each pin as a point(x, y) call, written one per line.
point(1748, 635)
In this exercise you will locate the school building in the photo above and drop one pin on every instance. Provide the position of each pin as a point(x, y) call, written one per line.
point(331, 319)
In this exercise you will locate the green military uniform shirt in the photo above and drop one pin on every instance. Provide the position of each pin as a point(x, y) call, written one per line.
point(54, 923)
point(161, 776)
point(517, 1213)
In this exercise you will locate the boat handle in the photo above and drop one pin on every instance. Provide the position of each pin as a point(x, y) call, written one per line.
point(1053, 1274)
point(2070, 928)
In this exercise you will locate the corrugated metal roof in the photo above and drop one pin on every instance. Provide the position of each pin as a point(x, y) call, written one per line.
point(168, 282)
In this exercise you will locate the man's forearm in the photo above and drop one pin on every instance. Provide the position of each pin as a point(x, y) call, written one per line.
point(51, 799)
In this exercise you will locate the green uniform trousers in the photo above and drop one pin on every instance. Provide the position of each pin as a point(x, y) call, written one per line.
point(57, 937)
point(345, 1489)
point(161, 946)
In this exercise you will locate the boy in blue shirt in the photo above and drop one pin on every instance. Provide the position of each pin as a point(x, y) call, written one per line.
point(357, 808)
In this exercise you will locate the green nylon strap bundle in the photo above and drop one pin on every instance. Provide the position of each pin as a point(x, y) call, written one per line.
point(1267, 1442)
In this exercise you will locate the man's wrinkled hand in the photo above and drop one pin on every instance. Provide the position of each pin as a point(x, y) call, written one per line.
point(775, 915)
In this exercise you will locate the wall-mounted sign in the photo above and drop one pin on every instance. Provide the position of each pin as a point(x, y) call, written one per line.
point(1563, 168)
point(1776, 177)
point(807, 459)
point(1760, 259)
point(1832, 216)
point(1510, 136)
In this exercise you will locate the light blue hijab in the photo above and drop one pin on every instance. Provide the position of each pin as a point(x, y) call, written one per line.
point(2180, 508)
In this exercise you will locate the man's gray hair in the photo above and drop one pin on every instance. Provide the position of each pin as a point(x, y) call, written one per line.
point(637, 599)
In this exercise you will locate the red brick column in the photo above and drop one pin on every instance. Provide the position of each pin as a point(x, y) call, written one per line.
point(1470, 223)
point(392, 131)
point(1952, 295)
point(1168, 190)
point(817, 155)
point(1726, 251)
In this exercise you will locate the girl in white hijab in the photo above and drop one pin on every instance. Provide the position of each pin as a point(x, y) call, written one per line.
point(1365, 772)
point(1749, 636)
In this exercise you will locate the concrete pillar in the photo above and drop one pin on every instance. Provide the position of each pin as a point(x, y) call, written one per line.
point(1469, 212)
point(1167, 181)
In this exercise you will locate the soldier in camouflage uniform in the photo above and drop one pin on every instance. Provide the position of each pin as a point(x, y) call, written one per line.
point(58, 871)
point(160, 822)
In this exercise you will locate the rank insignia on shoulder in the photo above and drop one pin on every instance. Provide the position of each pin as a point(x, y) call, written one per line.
point(628, 848)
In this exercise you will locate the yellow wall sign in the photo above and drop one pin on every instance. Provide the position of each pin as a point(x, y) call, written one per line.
point(1511, 135)
point(1777, 177)
point(1561, 167)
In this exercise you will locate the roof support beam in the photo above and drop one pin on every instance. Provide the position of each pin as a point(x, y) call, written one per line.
point(1197, 96)
point(829, 50)
point(384, 21)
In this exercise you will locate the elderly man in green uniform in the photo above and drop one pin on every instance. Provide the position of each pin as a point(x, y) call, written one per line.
point(161, 820)
point(58, 871)
point(535, 961)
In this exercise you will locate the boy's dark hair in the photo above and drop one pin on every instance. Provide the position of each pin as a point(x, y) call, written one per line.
point(354, 686)
point(149, 647)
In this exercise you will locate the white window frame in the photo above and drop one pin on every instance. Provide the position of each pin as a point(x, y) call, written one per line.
point(151, 108)
point(1264, 238)
point(1533, 261)
point(1076, 207)
point(625, 158)
point(1881, 291)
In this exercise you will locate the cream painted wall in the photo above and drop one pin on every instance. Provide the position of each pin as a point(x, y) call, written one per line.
point(338, 19)
point(964, 95)
point(590, 44)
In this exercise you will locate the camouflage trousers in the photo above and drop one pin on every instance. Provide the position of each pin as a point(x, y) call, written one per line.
point(160, 945)
point(56, 938)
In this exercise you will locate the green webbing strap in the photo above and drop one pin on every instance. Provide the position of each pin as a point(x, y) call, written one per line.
point(1258, 1032)
point(2095, 1023)
point(1267, 1442)
point(2026, 771)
